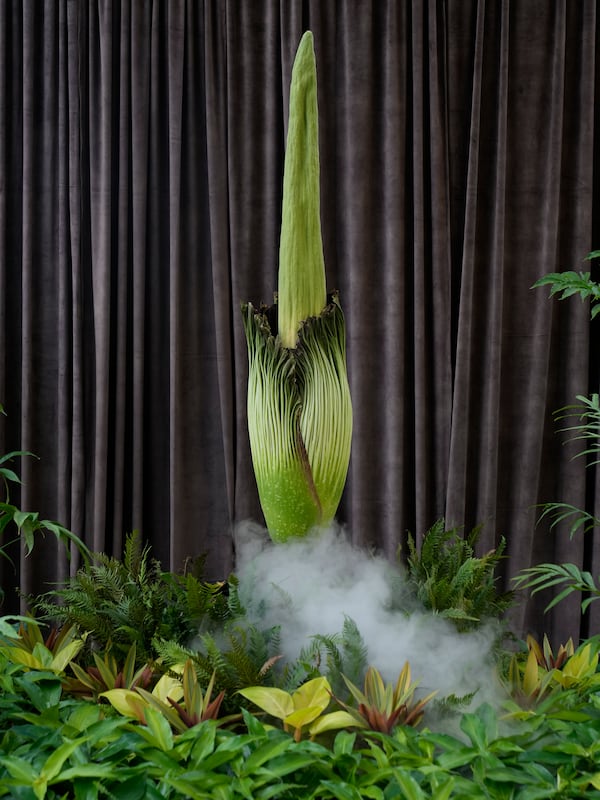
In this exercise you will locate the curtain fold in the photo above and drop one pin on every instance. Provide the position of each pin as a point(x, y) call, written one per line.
point(141, 160)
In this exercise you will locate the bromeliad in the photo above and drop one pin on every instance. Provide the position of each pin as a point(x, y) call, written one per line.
point(299, 407)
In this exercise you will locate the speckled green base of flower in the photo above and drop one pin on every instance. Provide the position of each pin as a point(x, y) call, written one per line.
point(299, 420)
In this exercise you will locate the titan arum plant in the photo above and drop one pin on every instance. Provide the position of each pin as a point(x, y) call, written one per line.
point(299, 407)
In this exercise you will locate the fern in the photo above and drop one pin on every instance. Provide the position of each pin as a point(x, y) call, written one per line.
point(355, 653)
point(331, 655)
point(134, 601)
point(449, 579)
point(239, 655)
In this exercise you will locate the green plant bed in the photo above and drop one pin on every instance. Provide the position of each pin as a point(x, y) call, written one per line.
point(52, 746)
point(226, 716)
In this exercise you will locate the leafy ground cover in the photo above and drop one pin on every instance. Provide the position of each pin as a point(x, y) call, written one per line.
point(54, 746)
point(130, 682)
point(82, 721)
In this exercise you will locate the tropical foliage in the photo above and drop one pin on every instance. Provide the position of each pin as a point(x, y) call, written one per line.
point(140, 684)
point(451, 580)
point(19, 525)
point(133, 600)
point(585, 427)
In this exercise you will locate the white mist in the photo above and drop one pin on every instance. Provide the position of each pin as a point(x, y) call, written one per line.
point(309, 586)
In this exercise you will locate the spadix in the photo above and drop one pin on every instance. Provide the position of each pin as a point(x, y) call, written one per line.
point(299, 407)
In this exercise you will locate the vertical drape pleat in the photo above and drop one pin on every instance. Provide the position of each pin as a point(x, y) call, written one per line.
point(141, 157)
point(100, 109)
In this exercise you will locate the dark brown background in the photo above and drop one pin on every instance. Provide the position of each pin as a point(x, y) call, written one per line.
point(141, 154)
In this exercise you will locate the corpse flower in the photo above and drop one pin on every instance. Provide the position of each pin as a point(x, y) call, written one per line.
point(299, 407)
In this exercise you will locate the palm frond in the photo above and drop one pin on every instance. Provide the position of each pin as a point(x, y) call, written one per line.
point(560, 512)
point(546, 576)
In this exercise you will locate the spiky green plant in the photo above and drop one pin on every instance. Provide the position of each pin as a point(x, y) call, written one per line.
point(299, 407)
point(107, 673)
point(381, 707)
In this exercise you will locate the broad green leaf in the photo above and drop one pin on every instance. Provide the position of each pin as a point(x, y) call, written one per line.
point(54, 763)
point(40, 787)
point(204, 743)
point(23, 517)
point(15, 454)
point(163, 708)
point(43, 688)
point(290, 762)
point(19, 768)
point(334, 721)
point(160, 729)
point(274, 701)
point(254, 725)
point(375, 793)
point(88, 770)
point(168, 686)
point(344, 742)
point(193, 787)
point(10, 475)
point(341, 791)
point(31, 660)
point(65, 655)
point(7, 625)
point(302, 716)
point(595, 778)
point(271, 749)
point(316, 692)
point(409, 786)
point(126, 702)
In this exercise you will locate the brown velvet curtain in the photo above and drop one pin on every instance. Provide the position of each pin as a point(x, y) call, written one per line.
point(141, 155)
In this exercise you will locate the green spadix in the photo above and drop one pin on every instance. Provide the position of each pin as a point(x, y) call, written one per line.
point(299, 407)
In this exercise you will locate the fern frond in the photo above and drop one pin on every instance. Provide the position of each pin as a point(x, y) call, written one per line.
point(354, 651)
point(170, 652)
point(450, 579)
